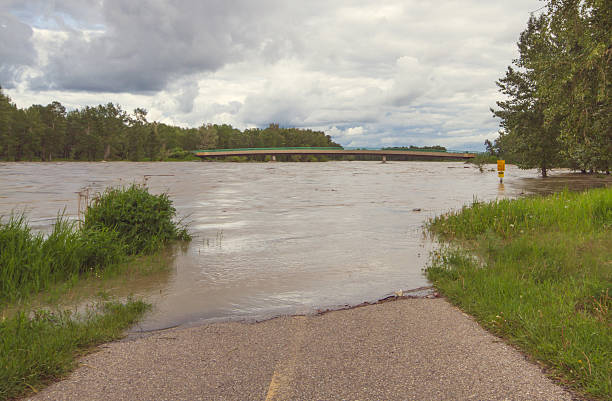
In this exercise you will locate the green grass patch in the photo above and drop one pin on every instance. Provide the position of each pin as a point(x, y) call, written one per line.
point(119, 224)
point(124, 233)
point(36, 350)
point(538, 272)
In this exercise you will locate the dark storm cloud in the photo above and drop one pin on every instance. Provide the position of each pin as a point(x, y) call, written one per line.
point(144, 45)
point(369, 72)
point(16, 49)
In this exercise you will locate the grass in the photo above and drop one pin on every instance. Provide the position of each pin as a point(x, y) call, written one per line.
point(144, 222)
point(122, 232)
point(537, 272)
point(120, 223)
point(30, 262)
point(36, 350)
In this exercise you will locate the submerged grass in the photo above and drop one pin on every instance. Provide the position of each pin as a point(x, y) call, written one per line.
point(35, 350)
point(538, 272)
point(120, 223)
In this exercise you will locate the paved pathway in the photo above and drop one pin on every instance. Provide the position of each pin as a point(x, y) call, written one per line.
point(409, 349)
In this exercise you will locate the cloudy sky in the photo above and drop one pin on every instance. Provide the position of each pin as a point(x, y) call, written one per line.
point(369, 73)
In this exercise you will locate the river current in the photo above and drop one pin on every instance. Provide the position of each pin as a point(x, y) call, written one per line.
point(276, 238)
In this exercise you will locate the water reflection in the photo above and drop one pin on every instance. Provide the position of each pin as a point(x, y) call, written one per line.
point(284, 237)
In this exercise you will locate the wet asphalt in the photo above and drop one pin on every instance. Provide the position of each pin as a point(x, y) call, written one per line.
point(409, 349)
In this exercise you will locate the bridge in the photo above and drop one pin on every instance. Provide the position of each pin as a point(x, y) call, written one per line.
point(330, 151)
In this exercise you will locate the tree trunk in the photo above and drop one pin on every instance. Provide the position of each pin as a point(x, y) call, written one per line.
point(107, 152)
point(544, 172)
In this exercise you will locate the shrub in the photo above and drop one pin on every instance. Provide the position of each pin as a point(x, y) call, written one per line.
point(121, 222)
point(144, 222)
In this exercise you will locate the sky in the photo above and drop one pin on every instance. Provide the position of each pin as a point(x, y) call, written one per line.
point(369, 73)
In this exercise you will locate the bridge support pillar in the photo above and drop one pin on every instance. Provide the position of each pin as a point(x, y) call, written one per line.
point(384, 158)
point(273, 158)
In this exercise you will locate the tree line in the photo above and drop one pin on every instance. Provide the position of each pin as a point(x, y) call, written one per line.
point(556, 109)
point(107, 132)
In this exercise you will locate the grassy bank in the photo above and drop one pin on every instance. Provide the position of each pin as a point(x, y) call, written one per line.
point(119, 226)
point(38, 349)
point(538, 272)
point(120, 223)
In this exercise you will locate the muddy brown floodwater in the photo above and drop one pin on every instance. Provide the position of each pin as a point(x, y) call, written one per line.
point(276, 238)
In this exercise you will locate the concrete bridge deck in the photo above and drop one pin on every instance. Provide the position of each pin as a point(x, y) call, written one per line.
point(331, 151)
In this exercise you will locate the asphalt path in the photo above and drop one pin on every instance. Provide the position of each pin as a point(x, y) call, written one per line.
point(408, 349)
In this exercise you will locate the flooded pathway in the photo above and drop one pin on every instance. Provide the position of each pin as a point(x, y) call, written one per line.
point(276, 238)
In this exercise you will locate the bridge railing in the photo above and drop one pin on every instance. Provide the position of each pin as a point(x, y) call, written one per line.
point(281, 148)
point(335, 148)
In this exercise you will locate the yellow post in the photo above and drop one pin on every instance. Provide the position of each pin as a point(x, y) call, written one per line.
point(501, 168)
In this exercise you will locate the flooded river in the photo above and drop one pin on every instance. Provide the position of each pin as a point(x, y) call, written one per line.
point(275, 238)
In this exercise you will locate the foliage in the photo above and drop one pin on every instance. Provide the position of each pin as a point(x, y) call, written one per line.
point(527, 138)
point(107, 132)
point(35, 350)
point(481, 159)
point(577, 79)
point(180, 154)
point(536, 271)
point(557, 108)
point(434, 148)
point(121, 222)
point(143, 222)
point(30, 262)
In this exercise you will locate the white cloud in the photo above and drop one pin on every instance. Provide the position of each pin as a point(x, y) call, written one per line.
point(369, 73)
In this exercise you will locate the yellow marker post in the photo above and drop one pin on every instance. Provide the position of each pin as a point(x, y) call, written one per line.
point(501, 168)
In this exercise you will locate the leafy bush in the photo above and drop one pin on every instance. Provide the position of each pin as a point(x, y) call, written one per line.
point(180, 154)
point(144, 222)
point(121, 222)
point(100, 247)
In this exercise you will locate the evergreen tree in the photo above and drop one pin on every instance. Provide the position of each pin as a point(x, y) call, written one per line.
point(527, 137)
point(558, 109)
point(576, 79)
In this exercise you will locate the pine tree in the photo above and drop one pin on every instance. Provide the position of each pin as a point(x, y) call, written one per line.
point(527, 136)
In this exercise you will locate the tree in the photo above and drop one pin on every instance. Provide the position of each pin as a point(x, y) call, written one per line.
point(208, 136)
point(153, 143)
point(137, 134)
point(108, 132)
point(576, 79)
point(493, 148)
point(53, 117)
point(558, 107)
point(7, 138)
point(527, 136)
